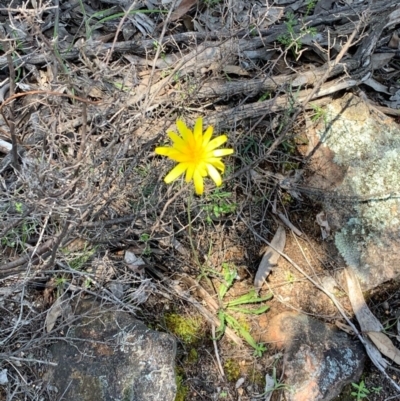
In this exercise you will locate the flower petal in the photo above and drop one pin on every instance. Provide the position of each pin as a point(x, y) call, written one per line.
point(216, 162)
point(207, 135)
point(198, 130)
point(176, 172)
point(163, 150)
point(179, 143)
point(173, 154)
point(218, 141)
point(186, 133)
point(198, 183)
point(189, 173)
point(214, 174)
point(222, 152)
point(202, 169)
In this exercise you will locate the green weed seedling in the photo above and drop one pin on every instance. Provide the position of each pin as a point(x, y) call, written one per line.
point(225, 317)
point(19, 236)
point(77, 260)
point(145, 238)
point(276, 385)
point(291, 39)
point(60, 284)
point(310, 6)
point(219, 205)
point(319, 113)
point(361, 390)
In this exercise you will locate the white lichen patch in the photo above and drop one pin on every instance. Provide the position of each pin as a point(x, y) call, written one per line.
point(368, 148)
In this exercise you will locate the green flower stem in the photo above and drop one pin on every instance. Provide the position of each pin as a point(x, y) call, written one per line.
point(194, 250)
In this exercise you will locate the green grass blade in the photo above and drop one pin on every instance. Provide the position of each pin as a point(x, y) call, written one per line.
point(257, 311)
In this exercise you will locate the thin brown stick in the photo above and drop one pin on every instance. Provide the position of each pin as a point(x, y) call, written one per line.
point(46, 246)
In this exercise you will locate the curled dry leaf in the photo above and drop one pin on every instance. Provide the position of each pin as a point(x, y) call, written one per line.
point(385, 345)
point(182, 9)
point(366, 319)
point(368, 322)
point(271, 257)
point(290, 224)
point(52, 314)
point(323, 223)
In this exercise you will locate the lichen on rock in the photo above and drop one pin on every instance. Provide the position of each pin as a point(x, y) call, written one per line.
point(366, 145)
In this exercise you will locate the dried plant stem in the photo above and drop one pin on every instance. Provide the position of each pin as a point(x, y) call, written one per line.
point(221, 369)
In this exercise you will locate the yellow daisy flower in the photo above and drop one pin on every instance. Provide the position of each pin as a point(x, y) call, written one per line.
point(196, 153)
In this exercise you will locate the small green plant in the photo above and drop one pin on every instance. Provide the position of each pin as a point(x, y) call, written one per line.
point(265, 96)
point(60, 285)
point(361, 390)
point(145, 238)
point(253, 30)
point(219, 205)
point(310, 4)
point(18, 207)
point(225, 317)
point(19, 235)
point(80, 258)
point(275, 383)
point(319, 113)
point(291, 39)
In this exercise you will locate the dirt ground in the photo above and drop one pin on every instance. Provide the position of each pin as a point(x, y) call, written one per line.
point(96, 86)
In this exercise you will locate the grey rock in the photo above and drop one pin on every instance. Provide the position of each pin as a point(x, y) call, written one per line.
point(355, 160)
point(108, 355)
point(318, 360)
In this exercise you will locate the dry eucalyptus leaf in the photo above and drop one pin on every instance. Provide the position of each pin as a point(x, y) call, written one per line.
point(235, 69)
point(182, 9)
point(366, 319)
point(385, 345)
point(376, 357)
point(394, 42)
point(271, 257)
point(52, 314)
point(290, 224)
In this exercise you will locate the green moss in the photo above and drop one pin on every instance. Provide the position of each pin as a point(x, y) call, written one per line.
point(182, 390)
point(232, 370)
point(185, 327)
point(193, 356)
point(256, 377)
